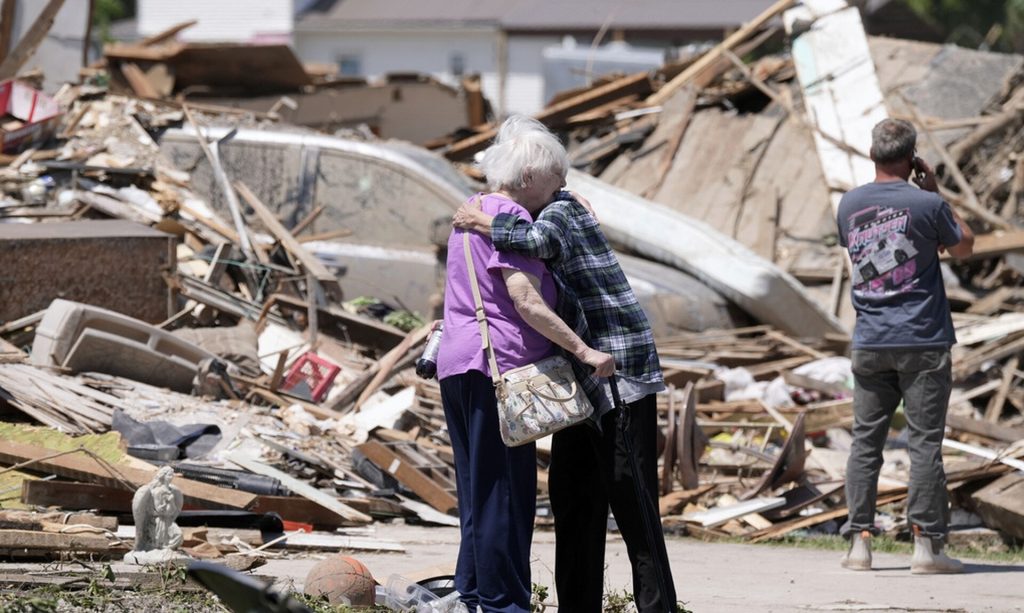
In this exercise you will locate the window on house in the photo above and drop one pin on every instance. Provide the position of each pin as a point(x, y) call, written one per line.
point(457, 64)
point(350, 65)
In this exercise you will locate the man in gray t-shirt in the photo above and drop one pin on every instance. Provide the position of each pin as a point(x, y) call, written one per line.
point(894, 234)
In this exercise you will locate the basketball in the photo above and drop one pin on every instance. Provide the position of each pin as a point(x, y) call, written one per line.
point(343, 580)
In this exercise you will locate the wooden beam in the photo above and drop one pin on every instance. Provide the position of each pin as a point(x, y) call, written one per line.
point(977, 427)
point(386, 365)
point(558, 113)
point(6, 27)
point(312, 265)
point(995, 244)
point(82, 467)
point(138, 81)
point(709, 58)
point(994, 410)
point(410, 476)
point(31, 40)
point(73, 496)
point(167, 34)
point(32, 541)
point(971, 202)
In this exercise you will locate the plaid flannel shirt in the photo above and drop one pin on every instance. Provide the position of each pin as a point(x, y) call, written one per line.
point(594, 297)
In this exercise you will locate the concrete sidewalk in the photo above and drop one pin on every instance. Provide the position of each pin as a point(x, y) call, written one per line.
point(728, 578)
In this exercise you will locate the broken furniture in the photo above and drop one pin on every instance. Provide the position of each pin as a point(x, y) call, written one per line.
point(80, 338)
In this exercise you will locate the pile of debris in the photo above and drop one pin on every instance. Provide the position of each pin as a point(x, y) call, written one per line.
point(172, 301)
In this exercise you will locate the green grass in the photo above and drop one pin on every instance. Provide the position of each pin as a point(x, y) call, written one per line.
point(887, 544)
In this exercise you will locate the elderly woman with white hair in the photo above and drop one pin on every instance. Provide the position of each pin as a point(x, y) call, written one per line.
point(497, 485)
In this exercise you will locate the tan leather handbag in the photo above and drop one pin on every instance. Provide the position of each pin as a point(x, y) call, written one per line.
point(533, 400)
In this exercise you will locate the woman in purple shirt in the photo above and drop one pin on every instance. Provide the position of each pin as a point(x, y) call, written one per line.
point(497, 485)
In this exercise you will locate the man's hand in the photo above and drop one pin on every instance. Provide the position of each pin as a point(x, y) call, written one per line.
point(471, 216)
point(603, 364)
point(923, 176)
point(585, 203)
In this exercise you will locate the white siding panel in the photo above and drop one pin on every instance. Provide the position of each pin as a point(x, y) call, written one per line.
point(220, 20)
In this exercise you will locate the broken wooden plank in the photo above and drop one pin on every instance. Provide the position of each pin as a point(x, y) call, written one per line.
point(557, 113)
point(13, 541)
point(31, 40)
point(309, 261)
point(994, 410)
point(386, 365)
point(411, 476)
point(711, 57)
point(138, 81)
point(166, 35)
point(73, 496)
point(996, 432)
point(971, 202)
point(994, 244)
point(86, 468)
point(6, 26)
point(1001, 504)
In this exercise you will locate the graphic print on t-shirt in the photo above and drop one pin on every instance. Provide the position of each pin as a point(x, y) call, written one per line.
point(882, 255)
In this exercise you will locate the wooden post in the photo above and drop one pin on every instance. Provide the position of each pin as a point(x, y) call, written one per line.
point(31, 40)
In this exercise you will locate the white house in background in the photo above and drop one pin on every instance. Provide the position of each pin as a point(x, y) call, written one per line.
point(502, 40)
point(223, 21)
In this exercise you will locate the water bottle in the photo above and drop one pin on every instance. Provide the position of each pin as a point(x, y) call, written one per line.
point(426, 366)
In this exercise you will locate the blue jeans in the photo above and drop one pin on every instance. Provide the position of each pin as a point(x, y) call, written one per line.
point(922, 379)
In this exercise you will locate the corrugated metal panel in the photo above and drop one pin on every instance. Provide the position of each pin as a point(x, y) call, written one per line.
point(221, 21)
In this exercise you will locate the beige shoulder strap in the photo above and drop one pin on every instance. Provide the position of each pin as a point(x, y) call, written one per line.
point(481, 317)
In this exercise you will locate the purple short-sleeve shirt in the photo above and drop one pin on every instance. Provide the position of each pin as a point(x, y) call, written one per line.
point(515, 342)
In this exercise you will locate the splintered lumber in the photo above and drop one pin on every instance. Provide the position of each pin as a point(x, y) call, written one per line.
point(167, 34)
point(711, 57)
point(309, 261)
point(82, 467)
point(386, 366)
point(74, 496)
point(54, 521)
point(1001, 504)
point(31, 40)
point(300, 509)
point(6, 26)
point(995, 244)
point(31, 541)
point(970, 202)
point(558, 113)
point(996, 432)
point(411, 476)
point(138, 81)
point(302, 488)
point(981, 452)
point(995, 406)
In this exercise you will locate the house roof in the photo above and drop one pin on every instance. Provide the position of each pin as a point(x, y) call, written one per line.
point(538, 15)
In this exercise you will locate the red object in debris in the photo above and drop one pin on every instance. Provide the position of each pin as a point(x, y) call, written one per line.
point(27, 116)
point(312, 372)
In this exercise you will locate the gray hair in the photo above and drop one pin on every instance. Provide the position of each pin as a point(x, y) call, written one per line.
point(524, 146)
point(893, 140)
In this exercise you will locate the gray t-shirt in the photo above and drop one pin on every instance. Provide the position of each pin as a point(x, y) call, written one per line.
point(892, 231)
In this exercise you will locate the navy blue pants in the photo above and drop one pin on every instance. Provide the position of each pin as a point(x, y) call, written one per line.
point(497, 490)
